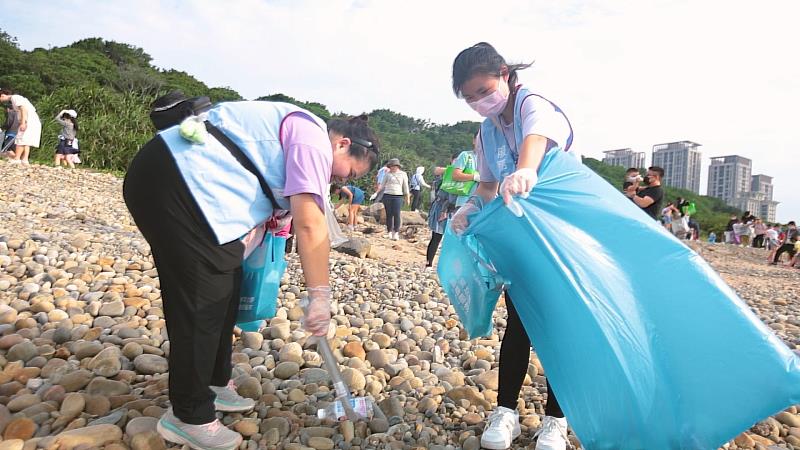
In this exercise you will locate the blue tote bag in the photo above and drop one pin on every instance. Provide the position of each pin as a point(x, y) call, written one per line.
point(470, 281)
point(261, 280)
point(634, 365)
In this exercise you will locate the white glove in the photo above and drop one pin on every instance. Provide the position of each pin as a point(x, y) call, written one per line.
point(317, 310)
point(518, 183)
point(373, 196)
point(460, 220)
point(476, 177)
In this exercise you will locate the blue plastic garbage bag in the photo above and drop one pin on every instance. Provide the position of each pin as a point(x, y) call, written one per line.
point(261, 279)
point(644, 344)
point(470, 282)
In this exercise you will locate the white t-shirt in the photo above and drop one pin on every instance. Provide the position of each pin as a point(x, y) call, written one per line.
point(772, 234)
point(538, 116)
point(18, 100)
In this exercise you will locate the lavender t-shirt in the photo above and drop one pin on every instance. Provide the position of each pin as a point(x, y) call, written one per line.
point(309, 158)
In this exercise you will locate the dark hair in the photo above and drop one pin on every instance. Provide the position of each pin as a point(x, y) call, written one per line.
point(657, 170)
point(74, 120)
point(482, 59)
point(364, 142)
point(791, 223)
point(631, 170)
point(6, 92)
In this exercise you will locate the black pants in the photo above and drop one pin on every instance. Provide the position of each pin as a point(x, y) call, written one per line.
point(433, 245)
point(199, 280)
point(416, 199)
point(514, 360)
point(782, 249)
point(758, 241)
point(393, 205)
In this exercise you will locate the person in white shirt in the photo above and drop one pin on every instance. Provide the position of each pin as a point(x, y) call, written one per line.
point(30, 127)
point(395, 188)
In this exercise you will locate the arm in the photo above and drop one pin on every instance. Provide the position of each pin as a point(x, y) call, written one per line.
point(312, 238)
point(348, 193)
point(522, 181)
point(423, 183)
point(406, 191)
point(642, 202)
point(58, 117)
point(459, 175)
point(439, 170)
point(23, 118)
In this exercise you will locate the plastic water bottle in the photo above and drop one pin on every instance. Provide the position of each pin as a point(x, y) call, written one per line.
point(361, 405)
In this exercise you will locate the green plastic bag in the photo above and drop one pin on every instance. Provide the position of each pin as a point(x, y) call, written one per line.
point(459, 188)
point(689, 209)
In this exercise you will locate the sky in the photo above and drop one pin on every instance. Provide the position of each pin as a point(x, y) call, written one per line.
point(628, 73)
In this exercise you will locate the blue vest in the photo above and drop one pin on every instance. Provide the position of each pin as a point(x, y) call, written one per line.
point(500, 157)
point(228, 195)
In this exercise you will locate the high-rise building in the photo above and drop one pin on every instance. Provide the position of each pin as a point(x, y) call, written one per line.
point(768, 207)
point(728, 176)
point(730, 179)
point(624, 157)
point(681, 163)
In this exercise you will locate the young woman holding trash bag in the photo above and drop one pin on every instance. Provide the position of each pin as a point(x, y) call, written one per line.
point(489, 86)
point(194, 202)
point(29, 132)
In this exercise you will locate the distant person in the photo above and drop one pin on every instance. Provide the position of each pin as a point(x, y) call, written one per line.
point(712, 237)
point(681, 203)
point(10, 128)
point(772, 240)
point(446, 204)
point(29, 132)
point(649, 199)
point(377, 196)
point(730, 236)
point(67, 139)
point(666, 216)
point(760, 230)
point(354, 197)
point(395, 189)
point(632, 178)
point(788, 243)
point(416, 184)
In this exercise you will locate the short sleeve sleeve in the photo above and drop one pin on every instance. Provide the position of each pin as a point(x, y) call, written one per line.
point(308, 158)
point(538, 116)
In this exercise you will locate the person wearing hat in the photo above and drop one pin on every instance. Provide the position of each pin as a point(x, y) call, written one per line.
point(395, 188)
point(67, 139)
point(29, 133)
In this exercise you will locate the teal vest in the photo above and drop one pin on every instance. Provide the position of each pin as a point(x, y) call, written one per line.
point(500, 157)
point(228, 195)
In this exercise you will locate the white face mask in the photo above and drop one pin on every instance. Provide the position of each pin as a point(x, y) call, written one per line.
point(494, 103)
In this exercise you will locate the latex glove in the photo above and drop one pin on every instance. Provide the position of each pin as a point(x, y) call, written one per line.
point(476, 177)
point(518, 183)
point(317, 310)
point(460, 220)
point(373, 196)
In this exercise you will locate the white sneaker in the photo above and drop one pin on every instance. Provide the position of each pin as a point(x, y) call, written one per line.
point(228, 400)
point(395, 236)
point(210, 436)
point(552, 434)
point(501, 429)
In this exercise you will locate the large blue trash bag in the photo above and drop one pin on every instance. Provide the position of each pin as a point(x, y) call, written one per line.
point(644, 344)
point(470, 282)
point(261, 279)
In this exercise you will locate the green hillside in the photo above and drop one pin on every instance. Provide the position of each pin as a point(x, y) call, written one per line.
point(112, 84)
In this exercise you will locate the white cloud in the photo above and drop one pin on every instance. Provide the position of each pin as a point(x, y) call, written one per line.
point(629, 73)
